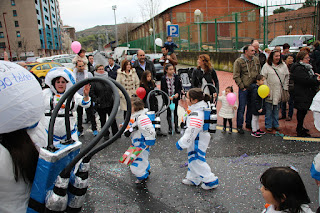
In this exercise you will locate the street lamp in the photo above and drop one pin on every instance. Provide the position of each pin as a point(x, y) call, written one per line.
point(290, 28)
point(168, 23)
point(114, 7)
point(197, 13)
point(5, 25)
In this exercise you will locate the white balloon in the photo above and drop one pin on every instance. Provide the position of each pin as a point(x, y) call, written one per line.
point(158, 42)
point(21, 104)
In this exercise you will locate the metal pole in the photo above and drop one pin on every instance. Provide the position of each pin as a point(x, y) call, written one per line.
point(154, 29)
point(115, 23)
point(5, 25)
point(318, 21)
point(127, 31)
point(266, 23)
point(264, 28)
point(198, 19)
point(189, 37)
point(236, 20)
point(216, 33)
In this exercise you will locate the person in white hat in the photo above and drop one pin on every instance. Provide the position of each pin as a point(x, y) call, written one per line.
point(21, 108)
point(59, 81)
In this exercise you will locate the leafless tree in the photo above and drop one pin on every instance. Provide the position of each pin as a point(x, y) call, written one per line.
point(16, 50)
point(127, 26)
point(149, 8)
point(25, 46)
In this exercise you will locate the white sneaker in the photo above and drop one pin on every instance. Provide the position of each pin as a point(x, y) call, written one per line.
point(204, 186)
point(188, 182)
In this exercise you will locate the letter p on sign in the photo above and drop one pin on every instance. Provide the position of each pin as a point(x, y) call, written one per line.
point(173, 30)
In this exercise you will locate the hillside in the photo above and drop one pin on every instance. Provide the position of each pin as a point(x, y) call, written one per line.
point(95, 38)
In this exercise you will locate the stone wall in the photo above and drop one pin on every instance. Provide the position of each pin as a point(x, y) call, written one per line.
point(219, 60)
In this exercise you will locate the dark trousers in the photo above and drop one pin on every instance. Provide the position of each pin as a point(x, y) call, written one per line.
point(244, 102)
point(91, 117)
point(175, 113)
point(103, 116)
point(284, 108)
point(80, 115)
point(89, 112)
point(301, 114)
point(225, 122)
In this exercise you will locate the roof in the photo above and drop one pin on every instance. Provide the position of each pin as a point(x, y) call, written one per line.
point(169, 8)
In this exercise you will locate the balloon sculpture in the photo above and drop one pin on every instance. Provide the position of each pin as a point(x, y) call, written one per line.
point(158, 42)
point(76, 46)
point(263, 91)
point(231, 98)
point(141, 92)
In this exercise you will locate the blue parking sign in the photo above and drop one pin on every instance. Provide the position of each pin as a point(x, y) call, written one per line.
point(173, 30)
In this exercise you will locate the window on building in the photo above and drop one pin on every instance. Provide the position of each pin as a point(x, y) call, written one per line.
point(52, 8)
point(2, 44)
point(45, 9)
point(19, 44)
point(1, 35)
point(36, 1)
point(52, 1)
point(37, 11)
point(14, 12)
point(53, 16)
point(252, 16)
point(40, 32)
point(39, 22)
point(41, 41)
point(54, 23)
point(18, 34)
point(0, 24)
point(47, 18)
point(181, 17)
point(16, 23)
point(234, 16)
point(13, 2)
point(47, 26)
point(45, 1)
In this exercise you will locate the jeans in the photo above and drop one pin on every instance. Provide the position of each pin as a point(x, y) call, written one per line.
point(272, 115)
point(284, 108)
point(244, 101)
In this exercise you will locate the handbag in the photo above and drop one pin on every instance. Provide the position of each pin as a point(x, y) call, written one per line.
point(285, 95)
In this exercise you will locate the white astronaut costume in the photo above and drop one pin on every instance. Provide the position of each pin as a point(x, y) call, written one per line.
point(144, 135)
point(196, 141)
point(51, 98)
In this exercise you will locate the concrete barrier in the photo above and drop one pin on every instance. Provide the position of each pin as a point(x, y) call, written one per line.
point(219, 60)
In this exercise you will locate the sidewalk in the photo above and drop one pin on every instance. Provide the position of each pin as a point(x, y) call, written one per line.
point(287, 128)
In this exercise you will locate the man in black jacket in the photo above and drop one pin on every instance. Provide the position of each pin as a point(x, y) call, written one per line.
point(112, 68)
point(142, 64)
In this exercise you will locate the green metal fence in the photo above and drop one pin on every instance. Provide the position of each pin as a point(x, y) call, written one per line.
point(226, 33)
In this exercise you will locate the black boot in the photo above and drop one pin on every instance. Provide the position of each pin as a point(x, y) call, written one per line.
point(177, 130)
point(170, 130)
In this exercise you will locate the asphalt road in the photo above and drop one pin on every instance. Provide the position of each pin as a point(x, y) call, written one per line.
point(238, 161)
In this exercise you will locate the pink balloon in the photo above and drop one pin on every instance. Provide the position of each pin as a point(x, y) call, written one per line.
point(231, 98)
point(76, 46)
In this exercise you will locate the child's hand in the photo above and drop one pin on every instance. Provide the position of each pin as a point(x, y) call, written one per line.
point(260, 110)
point(168, 57)
point(171, 98)
point(176, 95)
point(235, 107)
point(120, 125)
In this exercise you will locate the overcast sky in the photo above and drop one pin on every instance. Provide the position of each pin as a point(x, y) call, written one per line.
point(83, 14)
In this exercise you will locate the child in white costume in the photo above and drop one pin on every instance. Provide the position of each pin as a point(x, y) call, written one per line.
point(196, 141)
point(143, 136)
point(227, 110)
point(51, 97)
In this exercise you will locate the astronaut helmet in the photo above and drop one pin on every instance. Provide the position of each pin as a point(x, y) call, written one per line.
point(22, 104)
point(60, 72)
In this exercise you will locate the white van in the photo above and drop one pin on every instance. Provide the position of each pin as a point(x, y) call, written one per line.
point(128, 54)
point(295, 41)
point(118, 52)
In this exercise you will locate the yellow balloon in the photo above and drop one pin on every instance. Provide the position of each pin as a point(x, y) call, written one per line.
point(263, 91)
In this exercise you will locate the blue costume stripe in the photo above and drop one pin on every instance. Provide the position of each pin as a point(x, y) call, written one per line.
point(85, 102)
point(138, 159)
point(59, 138)
point(150, 142)
point(216, 182)
point(146, 174)
point(314, 173)
point(134, 164)
point(198, 154)
point(73, 81)
point(178, 146)
point(196, 158)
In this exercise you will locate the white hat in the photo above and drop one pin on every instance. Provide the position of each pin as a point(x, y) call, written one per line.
point(60, 72)
point(21, 104)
